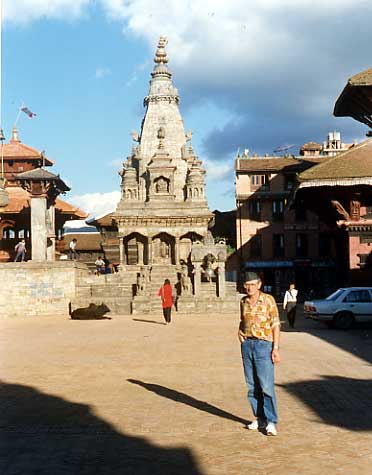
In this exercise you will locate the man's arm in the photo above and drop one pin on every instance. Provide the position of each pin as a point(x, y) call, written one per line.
point(241, 335)
point(275, 354)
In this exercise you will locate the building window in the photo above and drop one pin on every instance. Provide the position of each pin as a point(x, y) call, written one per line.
point(278, 210)
point(256, 246)
point(255, 210)
point(278, 245)
point(260, 182)
point(301, 245)
point(8, 233)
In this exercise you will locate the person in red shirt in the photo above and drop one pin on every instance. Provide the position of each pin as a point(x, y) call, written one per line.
point(165, 292)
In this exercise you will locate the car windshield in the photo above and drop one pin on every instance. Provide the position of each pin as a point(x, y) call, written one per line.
point(335, 295)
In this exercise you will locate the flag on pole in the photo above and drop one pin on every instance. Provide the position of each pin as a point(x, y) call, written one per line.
point(27, 111)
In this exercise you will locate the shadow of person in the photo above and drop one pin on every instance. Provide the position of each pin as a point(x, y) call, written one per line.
point(338, 401)
point(188, 400)
point(148, 321)
point(48, 435)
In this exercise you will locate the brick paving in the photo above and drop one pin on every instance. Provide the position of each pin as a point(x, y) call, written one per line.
point(133, 396)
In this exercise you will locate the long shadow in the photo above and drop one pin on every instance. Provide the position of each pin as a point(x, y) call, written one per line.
point(188, 400)
point(44, 435)
point(342, 402)
point(148, 321)
point(357, 341)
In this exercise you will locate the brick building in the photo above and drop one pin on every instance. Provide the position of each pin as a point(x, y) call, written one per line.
point(280, 243)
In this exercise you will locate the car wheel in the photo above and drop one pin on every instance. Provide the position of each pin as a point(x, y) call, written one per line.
point(343, 320)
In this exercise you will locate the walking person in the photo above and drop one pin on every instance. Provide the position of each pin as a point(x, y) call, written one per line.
point(259, 333)
point(20, 250)
point(166, 294)
point(72, 253)
point(290, 304)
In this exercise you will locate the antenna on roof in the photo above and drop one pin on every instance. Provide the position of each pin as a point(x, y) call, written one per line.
point(284, 148)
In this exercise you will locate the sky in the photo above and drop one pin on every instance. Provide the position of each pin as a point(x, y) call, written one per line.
point(251, 75)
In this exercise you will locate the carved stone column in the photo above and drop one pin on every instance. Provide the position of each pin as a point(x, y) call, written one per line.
point(221, 283)
point(149, 250)
point(44, 187)
point(177, 249)
point(121, 251)
point(197, 278)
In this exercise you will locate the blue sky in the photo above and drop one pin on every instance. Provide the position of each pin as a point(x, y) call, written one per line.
point(251, 75)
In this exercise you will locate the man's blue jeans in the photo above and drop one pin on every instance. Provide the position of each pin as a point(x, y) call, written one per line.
point(259, 376)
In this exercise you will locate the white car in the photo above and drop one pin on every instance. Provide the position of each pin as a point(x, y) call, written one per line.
point(342, 308)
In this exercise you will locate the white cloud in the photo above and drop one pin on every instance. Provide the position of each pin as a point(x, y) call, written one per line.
point(218, 170)
point(26, 11)
point(102, 72)
point(96, 204)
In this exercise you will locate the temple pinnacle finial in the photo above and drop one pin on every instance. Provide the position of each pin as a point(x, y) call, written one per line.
point(15, 137)
point(161, 55)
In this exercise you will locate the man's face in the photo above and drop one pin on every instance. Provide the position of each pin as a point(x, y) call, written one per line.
point(252, 287)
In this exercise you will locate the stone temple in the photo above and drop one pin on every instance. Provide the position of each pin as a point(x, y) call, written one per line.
point(160, 226)
point(163, 208)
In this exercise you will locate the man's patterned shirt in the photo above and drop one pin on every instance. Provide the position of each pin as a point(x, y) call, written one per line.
point(259, 320)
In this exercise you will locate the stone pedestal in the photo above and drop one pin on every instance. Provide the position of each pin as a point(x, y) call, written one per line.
point(38, 229)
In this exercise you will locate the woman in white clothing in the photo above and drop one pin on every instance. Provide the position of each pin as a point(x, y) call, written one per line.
point(290, 303)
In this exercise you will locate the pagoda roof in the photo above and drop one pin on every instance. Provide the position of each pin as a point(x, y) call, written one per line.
point(19, 200)
point(16, 150)
point(352, 167)
point(356, 98)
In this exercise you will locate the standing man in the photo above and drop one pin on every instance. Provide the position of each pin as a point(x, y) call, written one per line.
point(72, 253)
point(259, 333)
point(20, 250)
point(290, 304)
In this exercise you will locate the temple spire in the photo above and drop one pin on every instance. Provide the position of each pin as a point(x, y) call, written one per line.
point(161, 55)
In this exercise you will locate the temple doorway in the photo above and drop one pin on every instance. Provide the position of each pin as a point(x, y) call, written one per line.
point(135, 250)
point(163, 249)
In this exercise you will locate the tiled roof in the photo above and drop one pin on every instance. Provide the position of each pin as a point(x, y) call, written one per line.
point(42, 174)
point(356, 98)
point(66, 208)
point(17, 150)
point(362, 79)
point(311, 146)
point(19, 199)
point(105, 220)
point(37, 174)
point(275, 164)
point(356, 162)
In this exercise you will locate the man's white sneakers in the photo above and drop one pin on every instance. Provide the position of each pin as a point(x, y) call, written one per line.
point(253, 425)
point(271, 429)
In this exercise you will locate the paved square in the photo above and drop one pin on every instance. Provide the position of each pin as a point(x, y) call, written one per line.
point(133, 396)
